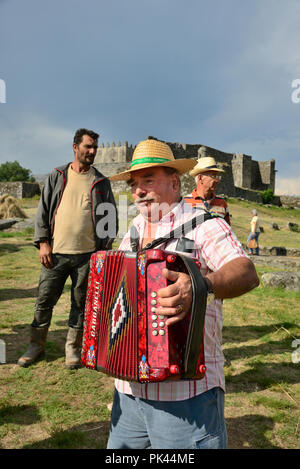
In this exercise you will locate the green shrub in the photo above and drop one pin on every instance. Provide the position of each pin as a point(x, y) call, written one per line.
point(267, 196)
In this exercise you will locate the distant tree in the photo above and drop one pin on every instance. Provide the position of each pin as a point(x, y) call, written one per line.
point(13, 171)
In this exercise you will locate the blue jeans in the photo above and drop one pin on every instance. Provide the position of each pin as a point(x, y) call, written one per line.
point(256, 235)
point(196, 423)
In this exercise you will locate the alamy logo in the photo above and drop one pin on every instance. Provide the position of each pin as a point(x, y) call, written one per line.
point(296, 353)
point(2, 91)
point(295, 96)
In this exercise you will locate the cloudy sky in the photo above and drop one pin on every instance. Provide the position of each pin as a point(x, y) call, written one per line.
point(218, 73)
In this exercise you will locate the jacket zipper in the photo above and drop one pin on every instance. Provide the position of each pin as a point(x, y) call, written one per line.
point(62, 191)
point(92, 208)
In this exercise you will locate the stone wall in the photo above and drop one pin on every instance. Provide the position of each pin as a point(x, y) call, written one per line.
point(119, 153)
point(20, 190)
point(225, 187)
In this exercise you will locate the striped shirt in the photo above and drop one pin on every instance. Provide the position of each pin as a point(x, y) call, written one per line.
point(214, 205)
point(215, 244)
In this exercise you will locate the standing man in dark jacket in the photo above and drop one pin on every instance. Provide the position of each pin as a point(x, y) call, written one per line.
point(76, 216)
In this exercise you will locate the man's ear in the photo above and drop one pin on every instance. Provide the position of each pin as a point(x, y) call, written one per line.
point(176, 182)
point(74, 147)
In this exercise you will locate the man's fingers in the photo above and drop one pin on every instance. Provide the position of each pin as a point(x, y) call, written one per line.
point(169, 299)
point(174, 300)
point(176, 318)
point(170, 274)
point(46, 261)
point(171, 289)
point(171, 315)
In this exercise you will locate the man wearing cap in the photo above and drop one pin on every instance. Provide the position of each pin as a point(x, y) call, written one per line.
point(207, 177)
point(186, 413)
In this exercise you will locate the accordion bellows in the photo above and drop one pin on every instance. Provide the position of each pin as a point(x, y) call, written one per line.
point(124, 336)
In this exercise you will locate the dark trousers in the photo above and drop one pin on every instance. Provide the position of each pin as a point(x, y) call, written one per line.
point(51, 285)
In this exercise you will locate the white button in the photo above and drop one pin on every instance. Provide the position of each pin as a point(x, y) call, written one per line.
point(153, 309)
point(161, 316)
point(161, 324)
point(162, 332)
point(154, 333)
point(154, 324)
point(154, 317)
point(153, 294)
point(153, 302)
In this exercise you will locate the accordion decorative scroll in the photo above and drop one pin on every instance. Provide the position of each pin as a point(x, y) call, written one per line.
point(123, 334)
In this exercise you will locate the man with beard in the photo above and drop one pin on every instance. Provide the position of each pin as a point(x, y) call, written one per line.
point(66, 235)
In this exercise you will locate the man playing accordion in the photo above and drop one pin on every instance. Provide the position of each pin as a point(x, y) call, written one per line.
point(186, 413)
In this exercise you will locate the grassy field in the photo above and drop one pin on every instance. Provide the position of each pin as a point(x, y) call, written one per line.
point(47, 406)
point(241, 216)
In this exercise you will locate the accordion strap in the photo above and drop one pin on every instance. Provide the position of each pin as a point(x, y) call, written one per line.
point(176, 233)
point(196, 325)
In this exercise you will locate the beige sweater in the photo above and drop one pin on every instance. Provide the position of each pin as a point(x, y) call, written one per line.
point(73, 229)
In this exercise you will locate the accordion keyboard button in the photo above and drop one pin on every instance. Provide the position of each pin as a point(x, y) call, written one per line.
point(161, 324)
point(153, 302)
point(154, 294)
point(154, 324)
point(162, 332)
point(154, 332)
point(154, 317)
point(153, 310)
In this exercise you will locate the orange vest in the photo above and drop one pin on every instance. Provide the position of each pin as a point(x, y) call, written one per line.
point(215, 205)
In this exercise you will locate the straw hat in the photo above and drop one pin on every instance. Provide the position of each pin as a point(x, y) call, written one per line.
point(204, 164)
point(150, 153)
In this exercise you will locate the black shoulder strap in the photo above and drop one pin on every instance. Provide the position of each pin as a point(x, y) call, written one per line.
point(196, 324)
point(180, 230)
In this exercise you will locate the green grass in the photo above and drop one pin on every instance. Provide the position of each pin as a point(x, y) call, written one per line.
point(49, 407)
point(241, 216)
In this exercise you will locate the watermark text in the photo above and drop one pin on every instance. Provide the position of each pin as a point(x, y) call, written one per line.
point(2, 91)
point(295, 96)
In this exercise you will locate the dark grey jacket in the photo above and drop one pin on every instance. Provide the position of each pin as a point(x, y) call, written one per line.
point(50, 199)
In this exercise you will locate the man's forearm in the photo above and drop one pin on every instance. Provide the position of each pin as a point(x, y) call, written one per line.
point(234, 279)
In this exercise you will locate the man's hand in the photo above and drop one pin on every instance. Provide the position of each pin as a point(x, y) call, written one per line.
point(175, 300)
point(46, 254)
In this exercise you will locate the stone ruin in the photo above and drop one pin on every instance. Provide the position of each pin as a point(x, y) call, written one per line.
point(243, 177)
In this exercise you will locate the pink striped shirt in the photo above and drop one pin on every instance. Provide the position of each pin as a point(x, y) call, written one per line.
point(215, 245)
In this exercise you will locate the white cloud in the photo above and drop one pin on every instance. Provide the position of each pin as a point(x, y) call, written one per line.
point(287, 186)
point(35, 143)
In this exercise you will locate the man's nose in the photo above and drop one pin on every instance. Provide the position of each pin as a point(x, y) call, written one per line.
point(93, 151)
point(140, 191)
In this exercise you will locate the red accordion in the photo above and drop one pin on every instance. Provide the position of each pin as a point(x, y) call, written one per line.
point(124, 336)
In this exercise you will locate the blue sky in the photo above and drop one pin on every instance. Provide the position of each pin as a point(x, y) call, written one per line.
point(217, 73)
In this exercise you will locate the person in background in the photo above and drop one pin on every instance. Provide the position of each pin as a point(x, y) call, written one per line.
point(66, 234)
point(207, 177)
point(255, 231)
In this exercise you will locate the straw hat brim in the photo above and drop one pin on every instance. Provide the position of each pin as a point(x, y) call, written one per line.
point(181, 165)
point(196, 170)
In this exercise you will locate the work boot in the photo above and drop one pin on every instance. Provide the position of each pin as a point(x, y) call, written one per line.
point(73, 348)
point(36, 347)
